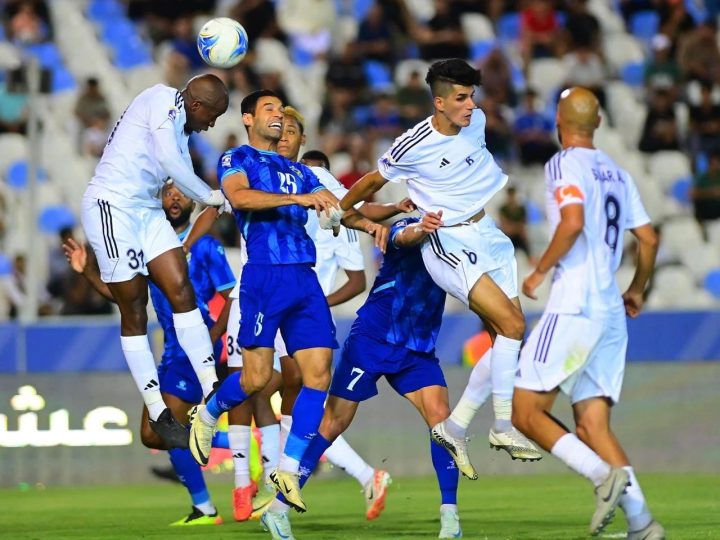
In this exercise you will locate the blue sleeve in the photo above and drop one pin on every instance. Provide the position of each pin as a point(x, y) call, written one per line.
point(221, 274)
point(398, 227)
point(230, 162)
point(311, 184)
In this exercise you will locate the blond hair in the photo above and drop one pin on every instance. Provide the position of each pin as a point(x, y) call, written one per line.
point(292, 112)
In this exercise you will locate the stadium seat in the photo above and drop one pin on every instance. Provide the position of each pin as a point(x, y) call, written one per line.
point(9, 56)
point(476, 27)
point(12, 148)
point(545, 75)
point(644, 24)
point(667, 166)
point(46, 53)
point(633, 73)
point(680, 191)
point(480, 49)
point(62, 80)
point(621, 49)
point(134, 53)
point(117, 33)
point(508, 27)
point(681, 234)
point(712, 283)
point(534, 213)
point(404, 69)
point(5, 266)
point(104, 10)
point(54, 218)
point(17, 174)
point(701, 260)
point(378, 74)
point(361, 8)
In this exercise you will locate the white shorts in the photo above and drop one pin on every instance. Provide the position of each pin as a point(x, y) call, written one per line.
point(125, 239)
point(585, 358)
point(234, 359)
point(457, 257)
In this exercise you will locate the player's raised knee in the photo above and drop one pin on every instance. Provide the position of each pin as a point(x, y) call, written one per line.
point(332, 427)
point(513, 326)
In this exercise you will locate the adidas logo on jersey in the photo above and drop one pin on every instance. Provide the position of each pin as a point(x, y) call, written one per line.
point(444, 162)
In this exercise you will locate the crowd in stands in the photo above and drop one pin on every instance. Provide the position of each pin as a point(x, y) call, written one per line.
point(364, 103)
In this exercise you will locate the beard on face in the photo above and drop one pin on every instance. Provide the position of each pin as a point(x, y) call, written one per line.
point(181, 219)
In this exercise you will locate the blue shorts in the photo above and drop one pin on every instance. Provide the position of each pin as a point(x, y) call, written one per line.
point(364, 360)
point(177, 376)
point(287, 297)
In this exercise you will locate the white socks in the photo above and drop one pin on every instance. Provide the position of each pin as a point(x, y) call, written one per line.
point(580, 458)
point(270, 449)
point(285, 425)
point(239, 439)
point(206, 508)
point(475, 395)
point(505, 353)
point(141, 362)
point(633, 504)
point(342, 455)
point(194, 338)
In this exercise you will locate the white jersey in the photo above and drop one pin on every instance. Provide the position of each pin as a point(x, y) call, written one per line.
point(456, 174)
point(235, 293)
point(333, 252)
point(584, 279)
point(129, 173)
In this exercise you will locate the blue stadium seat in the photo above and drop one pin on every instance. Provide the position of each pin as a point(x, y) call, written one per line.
point(5, 266)
point(680, 190)
point(361, 8)
point(134, 53)
point(633, 73)
point(54, 218)
point(701, 162)
point(300, 57)
point(117, 32)
point(534, 213)
point(508, 27)
point(17, 174)
point(105, 10)
point(62, 80)
point(518, 79)
point(645, 24)
point(480, 49)
point(47, 54)
point(378, 74)
point(712, 283)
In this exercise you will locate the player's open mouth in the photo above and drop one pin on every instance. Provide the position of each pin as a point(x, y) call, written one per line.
point(175, 208)
point(276, 125)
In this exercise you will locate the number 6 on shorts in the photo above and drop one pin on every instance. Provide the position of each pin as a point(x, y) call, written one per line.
point(353, 382)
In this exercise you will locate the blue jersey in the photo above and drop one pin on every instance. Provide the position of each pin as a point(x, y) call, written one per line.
point(275, 236)
point(405, 305)
point(209, 272)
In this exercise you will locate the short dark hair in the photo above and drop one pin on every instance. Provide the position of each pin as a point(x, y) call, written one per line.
point(317, 155)
point(444, 73)
point(249, 102)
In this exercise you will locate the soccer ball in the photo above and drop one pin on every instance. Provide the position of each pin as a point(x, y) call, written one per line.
point(222, 42)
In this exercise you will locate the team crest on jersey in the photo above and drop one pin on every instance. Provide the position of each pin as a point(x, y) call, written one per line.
point(385, 162)
point(226, 160)
point(294, 169)
point(172, 113)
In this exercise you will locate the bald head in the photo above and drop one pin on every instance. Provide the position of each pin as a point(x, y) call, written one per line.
point(578, 111)
point(206, 98)
point(209, 90)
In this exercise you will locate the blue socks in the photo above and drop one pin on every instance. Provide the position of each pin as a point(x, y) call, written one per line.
point(314, 452)
point(307, 414)
point(446, 471)
point(220, 440)
point(190, 475)
point(229, 395)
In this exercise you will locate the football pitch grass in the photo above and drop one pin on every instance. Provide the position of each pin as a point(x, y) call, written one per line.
point(495, 507)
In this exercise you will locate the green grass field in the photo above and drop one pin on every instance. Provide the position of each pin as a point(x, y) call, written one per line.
point(528, 507)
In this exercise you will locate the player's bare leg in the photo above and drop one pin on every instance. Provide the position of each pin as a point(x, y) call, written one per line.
point(291, 385)
point(169, 272)
point(592, 418)
point(531, 415)
point(132, 298)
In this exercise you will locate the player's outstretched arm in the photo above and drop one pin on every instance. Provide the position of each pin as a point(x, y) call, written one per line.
point(383, 211)
point(363, 189)
point(647, 251)
point(76, 255)
point(237, 190)
point(355, 285)
point(415, 233)
point(352, 219)
point(572, 221)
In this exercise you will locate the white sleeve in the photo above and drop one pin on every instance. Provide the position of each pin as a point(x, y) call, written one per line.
point(564, 180)
point(333, 185)
point(173, 163)
point(635, 215)
point(347, 251)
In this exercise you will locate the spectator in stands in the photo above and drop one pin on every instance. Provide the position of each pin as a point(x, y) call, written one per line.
point(58, 269)
point(584, 67)
point(231, 141)
point(94, 137)
point(539, 31)
point(497, 80)
point(16, 291)
point(308, 23)
point(13, 111)
point(660, 131)
point(346, 72)
point(91, 103)
point(534, 133)
point(384, 123)
point(413, 100)
point(336, 120)
point(259, 19)
point(674, 19)
point(704, 132)
point(375, 38)
point(513, 221)
point(698, 54)
point(662, 71)
point(25, 24)
point(443, 35)
point(359, 160)
point(705, 192)
point(582, 27)
point(498, 132)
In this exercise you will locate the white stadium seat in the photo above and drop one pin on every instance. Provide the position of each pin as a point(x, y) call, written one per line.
point(545, 75)
point(668, 166)
point(621, 49)
point(477, 27)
